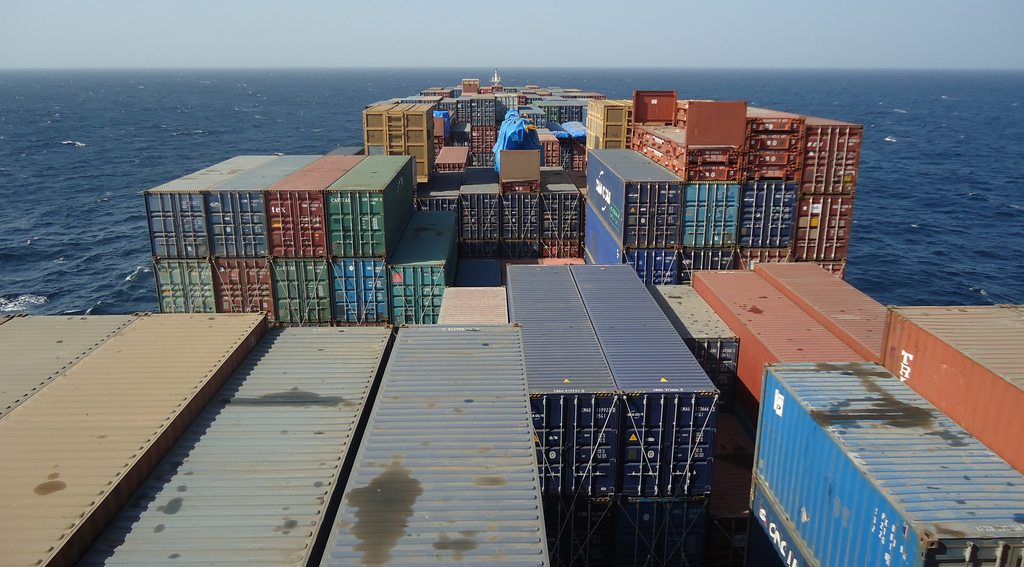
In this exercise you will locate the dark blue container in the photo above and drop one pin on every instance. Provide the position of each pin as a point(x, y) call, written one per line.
point(561, 207)
point(601, 245)
point(695, 259)
point(481, 206)
point(655, 266)
point(177, 225)
point(360, 289)
point(638, 199)
point(671, 405)
point(441, 193)
point(520, 216)
point(478, 273)
point(769, 213)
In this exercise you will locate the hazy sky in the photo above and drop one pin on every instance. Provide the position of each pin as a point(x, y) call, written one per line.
point(975, 34)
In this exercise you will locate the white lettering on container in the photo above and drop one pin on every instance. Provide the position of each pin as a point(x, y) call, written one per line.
point(780, 401)
point(905, 365)
point(603, 191)
point(776, 536)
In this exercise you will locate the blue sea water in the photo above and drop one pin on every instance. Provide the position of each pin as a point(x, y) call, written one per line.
point(939, 216)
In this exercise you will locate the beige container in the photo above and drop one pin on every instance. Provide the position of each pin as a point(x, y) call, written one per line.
point(609, 124)
point(474, 306)
point(401, 130)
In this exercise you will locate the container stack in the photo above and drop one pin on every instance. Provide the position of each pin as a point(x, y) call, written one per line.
point(562, 213)
point(422, 267)
point(609, 124)
point(392, 129)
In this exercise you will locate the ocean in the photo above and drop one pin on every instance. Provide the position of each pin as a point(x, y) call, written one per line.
point(939, 216)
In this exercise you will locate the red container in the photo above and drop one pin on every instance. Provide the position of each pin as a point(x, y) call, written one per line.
point(654, 107)
point(837, 268)
point(482, 138)
point(770, 327)
point(716, 122)
point(667, 146)
point(751, 257)
point(729, 503)
point(297, 227)
point(452, 158)
point(969, 363)
point(579, 155)
point(823, 227)
point(552, 156)
point(519, 186)
point(831, 156)
point(768, 120)
point(243, 286)
point(554, 248)
point(845, 311)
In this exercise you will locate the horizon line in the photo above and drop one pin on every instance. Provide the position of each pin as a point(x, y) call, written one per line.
point(525, 68)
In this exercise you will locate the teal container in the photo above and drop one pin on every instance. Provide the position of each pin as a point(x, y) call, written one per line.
point(422, 267)
point(711, 214)
point(369, 207)
point(184, 286)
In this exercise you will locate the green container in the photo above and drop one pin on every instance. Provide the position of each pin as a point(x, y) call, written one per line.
point(423, 266)
point(185, 286)
point(302, 291)
point(368, 208)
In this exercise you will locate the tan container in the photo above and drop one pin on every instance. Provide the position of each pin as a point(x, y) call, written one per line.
point(609, 124)
point(519, 165)
point(76, 451)
point(401, 130)
point(473, 306)
point(969, 363)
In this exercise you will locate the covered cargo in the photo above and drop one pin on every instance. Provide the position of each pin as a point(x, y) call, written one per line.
point(670, 407)
point(302, 291)
point(296, 222)
point(236, 210)
point(638, 199)
point(572, 393)
point(770, 327)
point(243, 285)
point(441, 193)
point(250, 482)
point(711, 214)
point(368, 208)
point(480, 226)
point(401, 130)
point(823, 227)
point(479, 273)
point(76, 451)
point(446, 471)
point(360, 290)
point(37, 350)
point(831, 157)
point(422, 266)
point(184, 286)
point(845, 311)
point(176, 211)
point(968, 362)
point(473, 306)
point(769, 213)
point(609, 124)
point(710, 340)
point(885, 478)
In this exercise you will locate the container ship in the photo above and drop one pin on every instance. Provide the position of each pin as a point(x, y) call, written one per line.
point(518, 326)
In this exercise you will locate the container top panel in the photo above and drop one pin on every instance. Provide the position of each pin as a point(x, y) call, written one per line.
point(990, 335)
point(318, 175)
point(210, 176)
point(757, 112)
point(107, 412)
point(265, 175)
point(818, 121)
point(446, 472)
point(453, 155)
point(427, 239)
point(443, 184)
point(932, 470)
point(473, 306)
point(556, 180)
point(644, 351)
point(631, 166)
point(480, 180)
point(689, 314)
point(563, 354)
point(251, 467)
point(849, 313)
point(36, 350)
point(373, 173)
point(346, 151)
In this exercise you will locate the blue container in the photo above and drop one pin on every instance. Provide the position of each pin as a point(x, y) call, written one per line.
point(177, 225)
point(601, 245)
point(695, 259)
point(238, 221)
point(481, 206)
point(770, 536)
point(441, 193)
point(869, 474)
point(671, 405)
point(711, 216)
point(520, 216)
point(769, 213)
point(360, 287)
point(638, 199)
point(561, 208)
point(655, 266)
point(478, 273)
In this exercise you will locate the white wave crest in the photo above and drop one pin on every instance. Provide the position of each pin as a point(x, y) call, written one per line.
point(21, 302)
point(73, 143)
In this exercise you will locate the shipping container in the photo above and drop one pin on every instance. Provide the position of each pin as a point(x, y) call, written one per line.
point(714, 122)
point(550, 148)
point(401, 129)
point(37, 350)
point(670, 404)
point(441, 193)
point(481, 210)
point(638, 199)
point(452, 158)
point(184, 286)
point(823, 227)
point(768, 121)
point(654, 266)
point(77, 450)
point(669, 147)
point(236, 211)
point(609, 124)
point(771, 540)
point(769, 212)
point(360, 287)
point(346, 151)
point(692, 260)
point(460, 135)
point(445, 472)
point(654, 107)
point(845, 311)
point(709, 339)
point(749, 258)
point(479, 273)
point(470, 86)
point(711, 214)
point(562, 215)
point(481, 142)
point(520, 224)
point(885, 478)
point(368, 208)
point(601, 245)
point(247, 482)
point(968, 362)
point(573, 395)
point(297, 225)
point(770, 327)
point(302, 291)
point(422, 266)
point(518, 166)
point(729, 503)
point(832, 156)
point(483, 110)
point(474, 306)
point(243, 286)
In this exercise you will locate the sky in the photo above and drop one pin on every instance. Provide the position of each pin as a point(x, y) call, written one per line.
point(900, 34)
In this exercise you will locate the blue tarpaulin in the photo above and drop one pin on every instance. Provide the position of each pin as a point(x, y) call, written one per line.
point(558, 132)
point(447, 121)
point(576, 130)
point(515, 134)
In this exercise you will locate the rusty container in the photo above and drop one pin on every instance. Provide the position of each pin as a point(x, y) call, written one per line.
point(654, 107)
point(823, 227)
point(969, 363)
point(452, 158)
point(831, 156)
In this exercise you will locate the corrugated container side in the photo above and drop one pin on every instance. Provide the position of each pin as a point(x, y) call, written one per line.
point(360, 287)
point(968, 362)
point(369, 207)
point(37, 350)
point(711, 217)
point(693, 260)
point(115, 414)
point(243, 286)
point(473, 306)
point(845, 311)
point(184, 286)
point(638, 199)
point(831, 158)
point(772, 539)
point(654, 266)
point(886, 479)
point(601, 245)
point(177, 225)
point(446, 471)
point(670, 404)
point(422, 267)
point(402, 129)
point(250, 482)
point(769, 213)
point(823, 227)
point(520, 216)
point(302, 291)
point(654, 107)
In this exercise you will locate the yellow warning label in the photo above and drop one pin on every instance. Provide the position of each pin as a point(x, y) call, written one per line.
point(663, 379)
point(536, 439)
point(566, 380)
point(633, 437)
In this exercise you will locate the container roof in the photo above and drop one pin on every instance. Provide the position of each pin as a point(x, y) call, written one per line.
point(629, 165)
point(318, 175)
point(373, 173)
point(689, 314)
point(427, 239)
point(266, 174)
point(210, 176)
